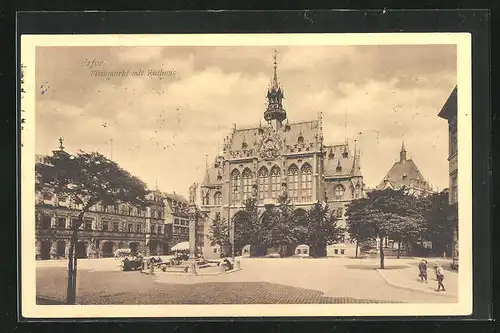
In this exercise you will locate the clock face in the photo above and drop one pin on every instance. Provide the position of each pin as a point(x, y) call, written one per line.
point(269, 143)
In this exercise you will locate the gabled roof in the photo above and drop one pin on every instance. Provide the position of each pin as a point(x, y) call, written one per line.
point(449, 109)
point(335, 158)
point(175, 197)
point(211, 177)
point(290, 132)
point(404, 173)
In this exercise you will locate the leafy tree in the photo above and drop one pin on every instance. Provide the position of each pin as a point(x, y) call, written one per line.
point(438, 228)
point(386, 213)
point(300, 228)
point(277, 223)
point(90, 179)
point(247, 227)
point(219, 231)
point(356, 225)
point(323, 229)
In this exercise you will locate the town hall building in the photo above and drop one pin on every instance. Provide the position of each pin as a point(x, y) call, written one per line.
point(281, 155)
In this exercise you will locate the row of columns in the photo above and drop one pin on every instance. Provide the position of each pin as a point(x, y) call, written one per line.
point(51, 251)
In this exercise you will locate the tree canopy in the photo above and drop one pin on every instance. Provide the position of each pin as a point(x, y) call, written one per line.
point(385, 213)
point(219, 231)
point(90, 178)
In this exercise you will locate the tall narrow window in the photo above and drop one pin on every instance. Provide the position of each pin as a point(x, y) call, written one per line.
point(217, 198)
point(293, 181)
point(357, 192)
point(263, 183)
point(247, 184)
point(306, 182)
point(206, 199)
point(275, 182)
point(339, 192)
point(454, 190)
point(235, 186)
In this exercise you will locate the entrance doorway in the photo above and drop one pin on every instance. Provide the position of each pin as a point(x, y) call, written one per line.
point(81, 250)
point(45, 250)
point(61, 249)
point(107, 249)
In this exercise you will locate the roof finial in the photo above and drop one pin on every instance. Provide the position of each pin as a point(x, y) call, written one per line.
point(275, 66)
point(402, 153)
point(61, 140)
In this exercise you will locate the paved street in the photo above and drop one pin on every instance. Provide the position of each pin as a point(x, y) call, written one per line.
point(286, 281)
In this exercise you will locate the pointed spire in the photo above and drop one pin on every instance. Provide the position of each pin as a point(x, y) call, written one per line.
point(206, 179)
point(275, 83)
point(275, 110)
point(402, 153)
point(356, 168)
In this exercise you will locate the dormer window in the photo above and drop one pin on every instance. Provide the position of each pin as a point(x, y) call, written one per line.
point(300, 139)
point(261, 131)
point(339, 168)
point(287, 128)
point(244, 145)
point(405, 175)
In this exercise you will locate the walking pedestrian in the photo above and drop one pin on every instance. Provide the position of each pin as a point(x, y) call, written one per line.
point(440, 277)
point(422, 268)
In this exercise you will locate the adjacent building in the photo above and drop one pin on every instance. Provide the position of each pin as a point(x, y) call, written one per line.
point(449, 112)
point(277, 156)
point(405, 173)
point(105, 228)
point(177, 217)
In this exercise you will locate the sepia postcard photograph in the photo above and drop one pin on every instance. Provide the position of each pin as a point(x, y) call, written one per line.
point(246, 175)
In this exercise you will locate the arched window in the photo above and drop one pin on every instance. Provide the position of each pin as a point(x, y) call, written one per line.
point(235, 186)
point(217, 198)
point(206, 199)
point(357, 192)
point(306, 182)
point(247, 184)
point(275, 182)
point(339, 192)
point(263, 183)
point(293, 181)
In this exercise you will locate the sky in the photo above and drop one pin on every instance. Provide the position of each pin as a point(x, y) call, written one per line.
point(161, 128)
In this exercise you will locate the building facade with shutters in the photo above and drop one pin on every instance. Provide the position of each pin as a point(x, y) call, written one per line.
point(279, 156)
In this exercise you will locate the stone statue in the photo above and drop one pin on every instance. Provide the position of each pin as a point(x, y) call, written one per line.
point(192, 193)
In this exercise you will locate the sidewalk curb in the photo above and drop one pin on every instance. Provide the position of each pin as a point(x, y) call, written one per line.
point(389, 282)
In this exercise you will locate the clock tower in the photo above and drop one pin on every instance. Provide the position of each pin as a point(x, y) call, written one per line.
point(275, 113)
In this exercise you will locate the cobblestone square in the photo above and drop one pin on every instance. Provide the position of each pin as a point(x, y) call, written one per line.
point(261, 281)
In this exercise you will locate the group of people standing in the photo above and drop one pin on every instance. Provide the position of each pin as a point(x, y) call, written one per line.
point(439, 270)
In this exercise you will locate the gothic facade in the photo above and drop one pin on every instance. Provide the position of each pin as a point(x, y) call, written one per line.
point(265, 160)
